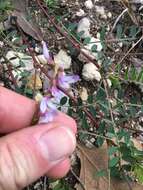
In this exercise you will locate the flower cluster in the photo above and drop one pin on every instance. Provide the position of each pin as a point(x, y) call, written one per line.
point(48, 109)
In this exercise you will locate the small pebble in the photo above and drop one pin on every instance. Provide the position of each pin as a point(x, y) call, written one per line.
point(88, 4)
point(80, 13)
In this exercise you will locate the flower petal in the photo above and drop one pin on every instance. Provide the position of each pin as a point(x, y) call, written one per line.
point(48, 117)
point(56, 93)
point(64, 81)
point(69, 78)
point(51, 106)
point(46, 51)
point(43, 105)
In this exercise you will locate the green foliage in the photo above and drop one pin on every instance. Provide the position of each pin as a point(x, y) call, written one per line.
point(5, 5)
point(138, 171)
point(113, 162)
point(51, 3)
point(63, 101)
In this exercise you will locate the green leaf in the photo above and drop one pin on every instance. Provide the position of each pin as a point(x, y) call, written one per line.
point(113, 162)
point(140, 76)
point(87, 40)
point(103, 33)
point(121, 133)
point(114, 172)
point(92, 110)
point(127, 138)
point(133, 74)
point(90, 99)
point(94, 48)
point(85, 124)
point(80, 114)
point(133, 31)
point(138, 171)
point(119, 31)
point(100, 141)
point(112, 150)
point(80, 34)
point(79, 102)
point(63, 100)
point(110, 135)
point(71, 102)
point(101, 127)
point(72, 26)
point(70, 112)
point(101, 94)
point(126, 77)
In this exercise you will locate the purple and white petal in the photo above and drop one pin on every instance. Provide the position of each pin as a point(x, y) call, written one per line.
point(56, 93)
point(43, 105)
point(69, 78)
point(46, 51)
point(51, 106)
point(64, 85)
point(47, 117)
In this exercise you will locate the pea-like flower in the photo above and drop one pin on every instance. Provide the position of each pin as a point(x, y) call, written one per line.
point(46, 52)
point(65, 81)
point(47, 110)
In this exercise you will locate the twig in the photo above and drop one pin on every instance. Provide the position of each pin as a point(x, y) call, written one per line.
point(93, 134)
point(65, 34)
point(45, 183)
point(78, 179)
point(9, 67)
point(118, 18)
point(134, 45)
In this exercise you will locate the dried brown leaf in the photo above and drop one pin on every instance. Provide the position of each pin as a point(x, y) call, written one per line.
point(93, 160)
point(34, 82)
point(28, 26)
point(19, 5)
point(96, 159)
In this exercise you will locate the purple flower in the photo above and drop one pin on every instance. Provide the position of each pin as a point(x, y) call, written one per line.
point(46, 52)
point(65, 80)
point(47, 110)
point(56, 93)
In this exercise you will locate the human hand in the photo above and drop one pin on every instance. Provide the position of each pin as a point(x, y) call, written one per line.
point(27, 153)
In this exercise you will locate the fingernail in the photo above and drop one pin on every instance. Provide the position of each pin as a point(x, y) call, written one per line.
point(57, 143)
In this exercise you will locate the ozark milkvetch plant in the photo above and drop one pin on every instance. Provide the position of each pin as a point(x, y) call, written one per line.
point(48, 109)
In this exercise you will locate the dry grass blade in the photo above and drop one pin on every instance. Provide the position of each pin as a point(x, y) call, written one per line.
point(130, 11)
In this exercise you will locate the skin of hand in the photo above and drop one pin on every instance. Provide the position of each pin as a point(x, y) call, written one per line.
point(29, 152)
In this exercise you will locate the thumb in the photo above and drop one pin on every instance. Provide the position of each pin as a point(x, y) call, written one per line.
point(30, 153)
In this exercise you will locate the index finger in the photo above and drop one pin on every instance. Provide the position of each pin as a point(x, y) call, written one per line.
point(17, 111)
